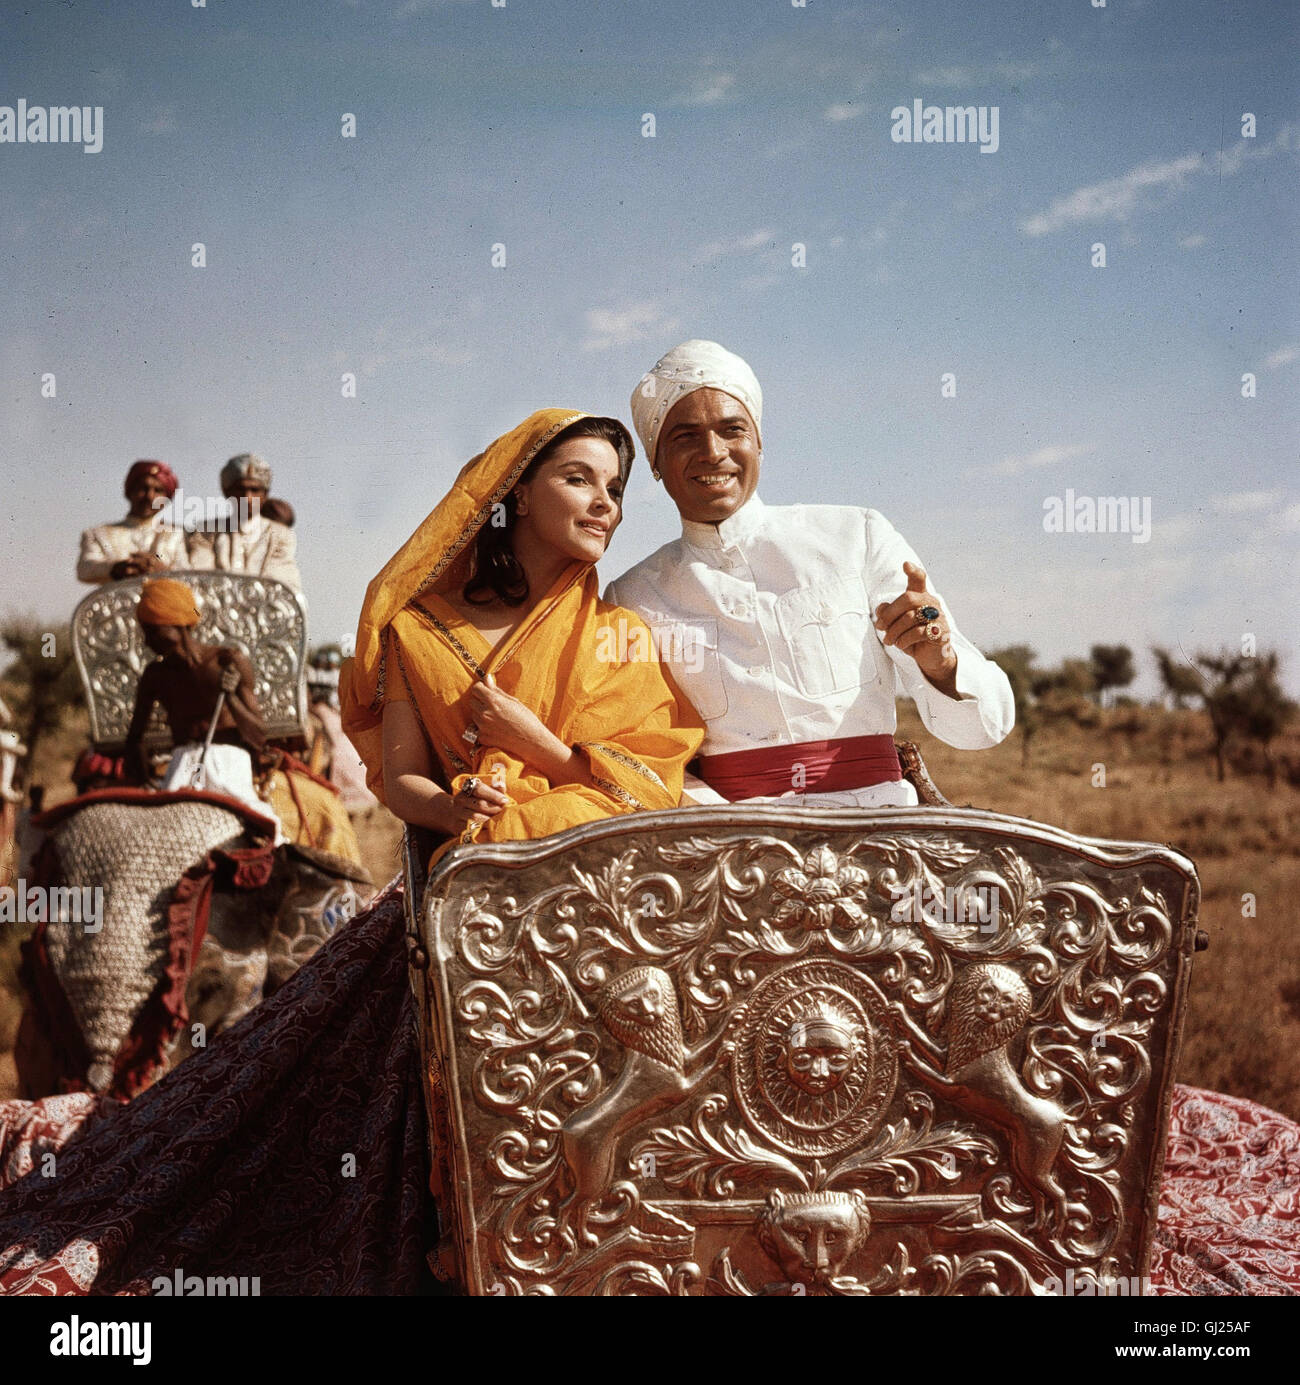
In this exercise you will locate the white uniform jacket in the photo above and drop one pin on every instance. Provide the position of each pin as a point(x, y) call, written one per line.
point(266, 548)
point(108, 544)
point(765, 621)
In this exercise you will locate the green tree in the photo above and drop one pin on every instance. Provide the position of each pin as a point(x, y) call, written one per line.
point(1074, 677)
point(1219, 694)
point(1065, 692)
point(1017, 662)
point(1180, 679)
point(42, 676)
point(1112, 667)
point(1242, 697)
point(1259, 709)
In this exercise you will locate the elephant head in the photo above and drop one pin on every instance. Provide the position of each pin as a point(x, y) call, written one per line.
point(128, 858)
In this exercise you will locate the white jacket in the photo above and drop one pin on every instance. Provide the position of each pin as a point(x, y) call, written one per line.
point(765, 621)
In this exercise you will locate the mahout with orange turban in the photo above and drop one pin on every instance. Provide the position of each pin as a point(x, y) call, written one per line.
point(167, 602)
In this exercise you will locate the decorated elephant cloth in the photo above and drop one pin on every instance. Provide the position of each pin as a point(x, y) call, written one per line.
point(294, 1148)
point(311, 810)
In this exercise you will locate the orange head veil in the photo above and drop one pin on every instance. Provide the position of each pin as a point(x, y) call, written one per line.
point(437, 556)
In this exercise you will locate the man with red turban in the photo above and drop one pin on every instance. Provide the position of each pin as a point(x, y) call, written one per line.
point(139, 543)
point(186, 680)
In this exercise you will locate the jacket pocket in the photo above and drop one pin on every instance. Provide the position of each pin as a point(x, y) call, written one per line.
point(830, 636)
point(689, 650)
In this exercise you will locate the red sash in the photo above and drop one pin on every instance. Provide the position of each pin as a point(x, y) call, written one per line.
point(827, 767)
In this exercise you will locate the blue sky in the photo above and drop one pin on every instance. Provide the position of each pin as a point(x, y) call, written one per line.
point(522, 125)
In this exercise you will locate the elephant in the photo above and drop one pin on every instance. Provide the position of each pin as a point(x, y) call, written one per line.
point(118, 992)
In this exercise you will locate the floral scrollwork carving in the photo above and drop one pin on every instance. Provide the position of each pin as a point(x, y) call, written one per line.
point(872, 1057)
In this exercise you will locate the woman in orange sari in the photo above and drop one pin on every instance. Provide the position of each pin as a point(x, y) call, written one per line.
point(488, 701)
point(486, 696)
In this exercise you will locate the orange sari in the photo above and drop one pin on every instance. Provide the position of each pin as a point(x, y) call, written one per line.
point(568, 661)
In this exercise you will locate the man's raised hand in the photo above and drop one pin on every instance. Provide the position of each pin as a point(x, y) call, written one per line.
point(901, 625)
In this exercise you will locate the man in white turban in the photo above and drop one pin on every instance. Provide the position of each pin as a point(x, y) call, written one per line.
point(791, 628)
point(251, 542)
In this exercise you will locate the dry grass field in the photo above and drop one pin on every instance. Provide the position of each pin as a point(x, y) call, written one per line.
point(1243, 1022)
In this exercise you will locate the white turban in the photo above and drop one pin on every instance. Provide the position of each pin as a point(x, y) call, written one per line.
point(248, 466)
point(694, 365)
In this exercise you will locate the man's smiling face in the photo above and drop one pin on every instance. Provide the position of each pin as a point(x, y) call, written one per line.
point(708, 455)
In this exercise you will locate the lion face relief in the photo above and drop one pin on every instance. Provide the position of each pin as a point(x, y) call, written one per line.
point(813, 1235)
point(989, 1005)
point(639, 1008)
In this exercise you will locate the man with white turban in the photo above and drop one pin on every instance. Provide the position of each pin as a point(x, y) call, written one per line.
point(790, 628)
point(250, 542)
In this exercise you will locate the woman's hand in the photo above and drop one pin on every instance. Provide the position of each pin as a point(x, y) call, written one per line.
point(476, 802)
point(504, 722)
point(409, 787)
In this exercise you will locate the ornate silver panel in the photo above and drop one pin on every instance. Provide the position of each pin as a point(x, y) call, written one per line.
point(799, 1052)
point(264, 618)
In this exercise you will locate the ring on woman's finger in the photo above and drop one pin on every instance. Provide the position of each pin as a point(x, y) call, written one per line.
point(934, 631)
point(927, 614)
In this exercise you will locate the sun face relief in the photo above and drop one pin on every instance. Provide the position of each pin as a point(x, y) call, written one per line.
point(818, 1052)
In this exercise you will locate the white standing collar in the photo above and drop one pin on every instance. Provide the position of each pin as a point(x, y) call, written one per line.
point(742, 525)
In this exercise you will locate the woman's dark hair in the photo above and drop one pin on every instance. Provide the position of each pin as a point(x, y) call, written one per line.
point(497, 574)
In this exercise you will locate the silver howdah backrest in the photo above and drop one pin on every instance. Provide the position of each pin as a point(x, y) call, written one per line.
point(788, 1051)
point(263, 618)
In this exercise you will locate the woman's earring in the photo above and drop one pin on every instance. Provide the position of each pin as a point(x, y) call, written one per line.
point(654, 471)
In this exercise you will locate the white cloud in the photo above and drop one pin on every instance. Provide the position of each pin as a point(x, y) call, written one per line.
point(633, 322)
point(1192, 242)
point(1044, 456)
point(1288, 520)
point(1175, 529)
point(410, 7)
point(957, 75)
point(707, 89)
point(945, 77)
point(759, 283)
point(1283, 356)
point(842, 110)
point(736, 245)
point(1245, 502)
point(1116, 199)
